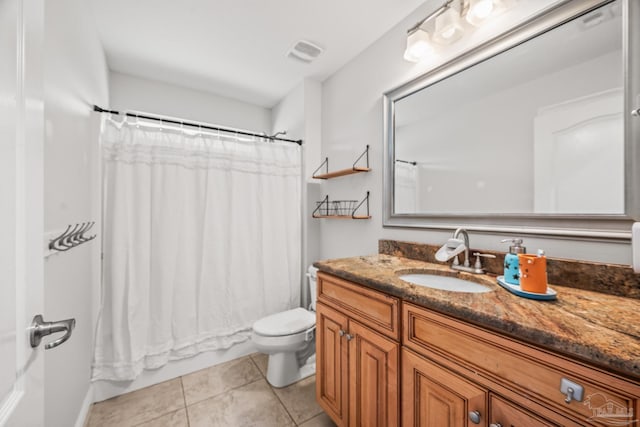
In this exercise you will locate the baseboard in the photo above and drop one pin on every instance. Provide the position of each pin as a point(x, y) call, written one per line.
point(85, 409)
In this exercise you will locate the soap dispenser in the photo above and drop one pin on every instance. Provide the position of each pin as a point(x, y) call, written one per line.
point(511, 264)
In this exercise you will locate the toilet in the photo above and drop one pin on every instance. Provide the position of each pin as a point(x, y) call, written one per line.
point(289, 338)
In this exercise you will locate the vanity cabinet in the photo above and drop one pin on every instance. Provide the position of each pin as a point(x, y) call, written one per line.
point(449, 365)
point(357, 354)
point(382, 361)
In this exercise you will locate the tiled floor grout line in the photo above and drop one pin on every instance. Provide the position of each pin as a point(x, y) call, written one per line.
point(258, 367)
point(309, 419)
point(279, 400)
point(282, 404)
point(273, 391)
point(184, 399)
point(221, 393)
point(155, 418)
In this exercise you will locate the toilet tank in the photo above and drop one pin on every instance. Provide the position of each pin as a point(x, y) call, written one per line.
point(312, 276)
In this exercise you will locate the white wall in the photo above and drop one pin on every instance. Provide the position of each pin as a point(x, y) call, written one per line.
point(299, 113)
point(352, 116)
point(146, 95)
point(75, 77)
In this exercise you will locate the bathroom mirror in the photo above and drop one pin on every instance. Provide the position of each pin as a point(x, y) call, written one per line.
point(531, 132)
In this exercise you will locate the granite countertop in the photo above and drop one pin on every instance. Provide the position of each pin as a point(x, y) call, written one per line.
point(585, 325)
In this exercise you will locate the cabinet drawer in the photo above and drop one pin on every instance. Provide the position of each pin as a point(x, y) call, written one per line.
point(378, 311)
point(504, 413)
point(529, 373)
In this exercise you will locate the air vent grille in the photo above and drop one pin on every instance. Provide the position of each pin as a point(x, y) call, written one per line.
point(304, 51)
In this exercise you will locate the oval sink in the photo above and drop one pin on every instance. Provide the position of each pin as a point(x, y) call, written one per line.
point(445, 283)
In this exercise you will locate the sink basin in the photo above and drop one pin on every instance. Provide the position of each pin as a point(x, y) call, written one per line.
point(445, 283)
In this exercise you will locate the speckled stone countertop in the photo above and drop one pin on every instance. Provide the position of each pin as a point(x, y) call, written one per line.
point(595, 327)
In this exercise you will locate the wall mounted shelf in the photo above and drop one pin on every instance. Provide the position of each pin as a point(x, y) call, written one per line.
point(341, 209)
point(342, 172)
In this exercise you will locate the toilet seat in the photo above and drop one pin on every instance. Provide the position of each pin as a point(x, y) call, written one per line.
point(285, 323)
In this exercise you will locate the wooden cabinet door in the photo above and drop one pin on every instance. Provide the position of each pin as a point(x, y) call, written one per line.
point(331, 363)
point(373, 378)
point(435, 397)
point(506, 414)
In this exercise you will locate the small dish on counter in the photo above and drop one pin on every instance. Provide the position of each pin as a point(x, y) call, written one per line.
point(515, 289)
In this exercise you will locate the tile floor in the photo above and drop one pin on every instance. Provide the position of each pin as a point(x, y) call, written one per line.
point(233, 394)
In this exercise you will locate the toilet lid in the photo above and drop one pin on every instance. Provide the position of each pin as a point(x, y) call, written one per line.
point(285, 323)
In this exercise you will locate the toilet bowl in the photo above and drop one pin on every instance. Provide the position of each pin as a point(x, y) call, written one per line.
point(289, 338)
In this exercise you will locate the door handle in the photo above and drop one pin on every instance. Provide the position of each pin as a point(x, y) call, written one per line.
point(40, 328)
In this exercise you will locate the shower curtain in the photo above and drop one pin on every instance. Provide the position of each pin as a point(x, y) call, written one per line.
point(202, 237)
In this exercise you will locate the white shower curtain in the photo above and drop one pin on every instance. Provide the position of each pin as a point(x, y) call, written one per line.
point(202, 236)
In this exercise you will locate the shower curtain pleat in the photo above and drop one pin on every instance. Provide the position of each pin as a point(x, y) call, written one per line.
point(202, 237)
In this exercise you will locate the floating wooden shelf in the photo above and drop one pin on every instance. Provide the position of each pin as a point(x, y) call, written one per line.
point(342, 172)
point(341, 209)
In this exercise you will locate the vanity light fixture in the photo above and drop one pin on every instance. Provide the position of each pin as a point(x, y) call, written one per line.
point(418, 45)
point(449, 26)
point(479, 10)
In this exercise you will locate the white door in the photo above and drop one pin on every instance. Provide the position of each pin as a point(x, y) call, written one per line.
point(21, 211)
point(572, 140)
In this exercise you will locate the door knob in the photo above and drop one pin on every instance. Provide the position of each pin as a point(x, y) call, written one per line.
point(39, 328)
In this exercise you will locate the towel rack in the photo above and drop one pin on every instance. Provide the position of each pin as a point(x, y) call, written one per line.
point(72, 237)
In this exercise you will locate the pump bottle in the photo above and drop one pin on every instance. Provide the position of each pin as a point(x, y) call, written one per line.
point(511, 264)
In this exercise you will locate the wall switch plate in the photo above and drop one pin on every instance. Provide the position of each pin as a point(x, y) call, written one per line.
point(635, 243)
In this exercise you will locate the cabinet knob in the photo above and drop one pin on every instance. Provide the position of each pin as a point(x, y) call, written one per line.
point(341, 332)
point(474, 417)
point(495, 425)
point(349, 337)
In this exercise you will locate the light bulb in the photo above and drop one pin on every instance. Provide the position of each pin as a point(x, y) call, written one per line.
point(448, 28)
point(418, 46)
point(479, 10)
point(483, 9)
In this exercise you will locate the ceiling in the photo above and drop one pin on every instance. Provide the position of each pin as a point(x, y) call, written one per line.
point(237, 48)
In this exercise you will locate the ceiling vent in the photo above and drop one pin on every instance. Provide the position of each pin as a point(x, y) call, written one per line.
point(304, 51)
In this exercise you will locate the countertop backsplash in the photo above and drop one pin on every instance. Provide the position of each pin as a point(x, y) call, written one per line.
point(612, 279)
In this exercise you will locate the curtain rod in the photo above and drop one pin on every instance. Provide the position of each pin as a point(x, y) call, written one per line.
point(197, 125)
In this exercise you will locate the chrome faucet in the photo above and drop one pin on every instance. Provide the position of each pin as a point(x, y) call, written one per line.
point(455, 246)
point(464, 233)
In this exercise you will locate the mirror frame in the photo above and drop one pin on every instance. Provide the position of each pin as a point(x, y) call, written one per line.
point(581, 226)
